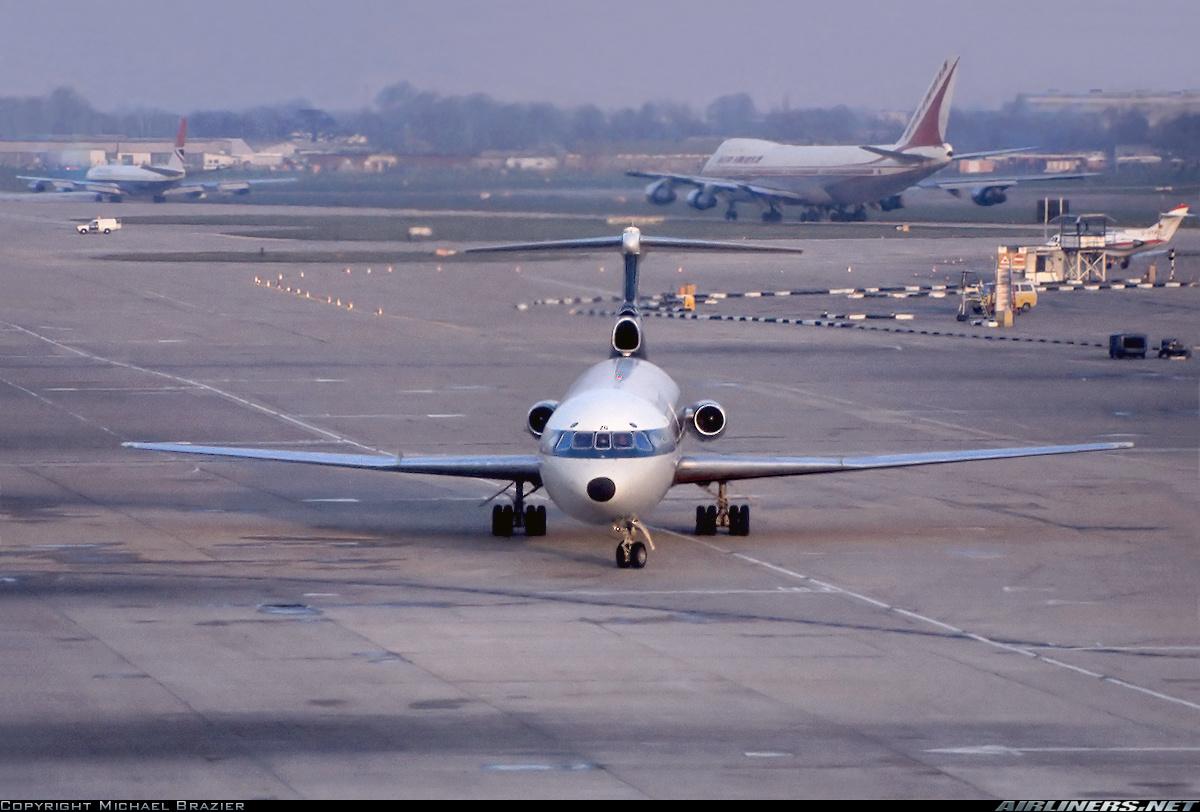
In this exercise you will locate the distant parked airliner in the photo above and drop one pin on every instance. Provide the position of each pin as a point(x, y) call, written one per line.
point(838, 182)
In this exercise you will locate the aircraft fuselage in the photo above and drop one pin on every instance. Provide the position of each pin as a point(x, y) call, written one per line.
point(610, 449)
point(821, 176)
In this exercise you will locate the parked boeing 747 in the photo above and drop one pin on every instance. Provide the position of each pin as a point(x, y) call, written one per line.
point(839, 181)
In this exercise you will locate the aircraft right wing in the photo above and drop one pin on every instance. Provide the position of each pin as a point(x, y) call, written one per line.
point(483, 466)
point(704, 468)
point(224, 187)
point(954, 185)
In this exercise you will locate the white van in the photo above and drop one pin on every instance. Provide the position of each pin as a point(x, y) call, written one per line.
point(101, 225)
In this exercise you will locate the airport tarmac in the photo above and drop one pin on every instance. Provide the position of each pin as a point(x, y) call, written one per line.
point(180, 628)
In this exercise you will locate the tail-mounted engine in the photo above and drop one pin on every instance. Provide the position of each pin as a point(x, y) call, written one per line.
point(539, 416)
point(627, 334)
point(706, 419)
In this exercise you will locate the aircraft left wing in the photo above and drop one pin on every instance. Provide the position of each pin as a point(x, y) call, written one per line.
point(483, 466)
point(723, 185)
point(38, 184)
point(704, 468)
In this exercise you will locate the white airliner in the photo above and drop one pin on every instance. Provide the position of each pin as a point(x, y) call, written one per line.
point(118, 181)
point(839, 181)
point(1124, 243)
point(609, 451)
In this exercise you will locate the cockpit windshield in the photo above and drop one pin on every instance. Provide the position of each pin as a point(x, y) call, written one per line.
point(609, 444)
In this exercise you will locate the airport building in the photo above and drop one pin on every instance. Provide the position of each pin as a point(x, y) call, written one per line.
point(206, 153)
point(1156, 106)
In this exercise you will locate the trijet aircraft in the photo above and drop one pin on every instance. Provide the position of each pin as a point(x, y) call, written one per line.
point(612, 447)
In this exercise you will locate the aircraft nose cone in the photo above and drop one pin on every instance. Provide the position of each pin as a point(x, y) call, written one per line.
point(601, 489)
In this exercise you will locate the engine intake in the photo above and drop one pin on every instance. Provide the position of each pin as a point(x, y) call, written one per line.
point(701, 199)
point(989, 196)
point(627, 335)
point(661, 192)
point(539, 416)
point(706, 418)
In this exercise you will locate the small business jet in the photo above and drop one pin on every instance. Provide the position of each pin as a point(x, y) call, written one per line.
point(115, 182)
point(609, 451)
point(1125, 243)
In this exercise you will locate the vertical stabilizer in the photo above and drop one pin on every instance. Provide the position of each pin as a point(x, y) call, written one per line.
point(927, 127)
point(1169, 223)
point(176, 161)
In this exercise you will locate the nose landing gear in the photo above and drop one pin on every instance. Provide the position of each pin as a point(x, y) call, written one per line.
point(722, 514)
point(632, 554)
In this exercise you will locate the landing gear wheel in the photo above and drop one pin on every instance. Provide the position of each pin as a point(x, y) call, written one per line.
point(731, 214)
point(706, 520)
point(630, 552)
point(502, 521)
point(535, 520)
point(772, 216)
point(739, 520)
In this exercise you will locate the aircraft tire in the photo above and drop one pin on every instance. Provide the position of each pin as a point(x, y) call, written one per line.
point(622, 557)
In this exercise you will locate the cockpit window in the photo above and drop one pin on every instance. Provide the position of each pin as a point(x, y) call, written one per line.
point(605, 444)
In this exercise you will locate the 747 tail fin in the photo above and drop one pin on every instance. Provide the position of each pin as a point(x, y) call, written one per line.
point(927, 127)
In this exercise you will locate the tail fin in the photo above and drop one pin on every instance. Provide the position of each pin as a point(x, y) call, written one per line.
point(1169, 222)
point(176, 161)
point(927, 127)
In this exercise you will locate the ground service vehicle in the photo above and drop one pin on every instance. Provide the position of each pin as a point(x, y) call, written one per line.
point(101, 225)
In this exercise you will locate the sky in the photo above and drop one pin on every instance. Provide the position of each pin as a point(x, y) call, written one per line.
point(233, 54)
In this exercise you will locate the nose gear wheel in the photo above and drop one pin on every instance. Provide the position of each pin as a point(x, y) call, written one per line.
point(631, 553)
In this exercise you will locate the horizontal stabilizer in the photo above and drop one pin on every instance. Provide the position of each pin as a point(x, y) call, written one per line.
point(621, 241)
point(896, 155)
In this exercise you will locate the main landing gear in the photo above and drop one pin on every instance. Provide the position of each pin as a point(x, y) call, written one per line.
point(731, 213)
point(772, 215)
point(722, 514)
point(843, 215)
point(632, 554)
point(507, 517)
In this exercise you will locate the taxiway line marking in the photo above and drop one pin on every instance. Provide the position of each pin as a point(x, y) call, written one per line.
point(86, 421)
point(929, 621)
point(241, 401)
point(1005, 750)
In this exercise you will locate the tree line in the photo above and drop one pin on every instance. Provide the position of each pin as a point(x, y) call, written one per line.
point(407, 120)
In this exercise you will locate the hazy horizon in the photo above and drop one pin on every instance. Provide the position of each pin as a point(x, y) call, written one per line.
point(230, 55)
